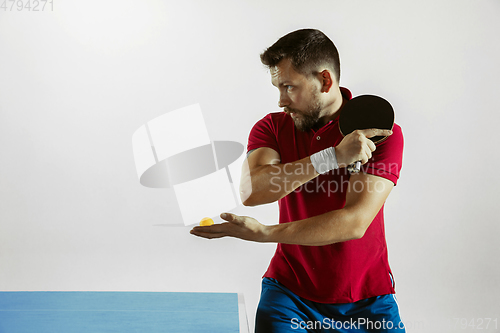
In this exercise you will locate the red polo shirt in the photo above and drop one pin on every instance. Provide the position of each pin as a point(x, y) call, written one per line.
point(338, 273)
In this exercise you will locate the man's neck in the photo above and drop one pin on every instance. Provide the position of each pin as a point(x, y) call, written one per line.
point(333, 111)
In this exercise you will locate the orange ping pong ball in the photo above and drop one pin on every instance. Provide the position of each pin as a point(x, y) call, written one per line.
point(206, 221)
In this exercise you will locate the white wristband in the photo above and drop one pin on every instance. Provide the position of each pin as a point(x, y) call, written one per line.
point(325, 160)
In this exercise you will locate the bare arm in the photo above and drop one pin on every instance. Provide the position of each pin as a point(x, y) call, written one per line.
point(265, 179)
point(367, 194)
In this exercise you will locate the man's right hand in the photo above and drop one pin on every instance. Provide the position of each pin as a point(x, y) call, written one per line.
point(357, 146)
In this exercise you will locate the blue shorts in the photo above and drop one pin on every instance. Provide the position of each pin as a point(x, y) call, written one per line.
point(281, 311)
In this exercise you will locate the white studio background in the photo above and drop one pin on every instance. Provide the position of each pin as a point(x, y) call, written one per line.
point(78, 80)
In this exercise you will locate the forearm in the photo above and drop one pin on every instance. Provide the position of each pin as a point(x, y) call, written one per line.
point(332, 227)
point(362, 204)
point(271, 182)
point(350, 222)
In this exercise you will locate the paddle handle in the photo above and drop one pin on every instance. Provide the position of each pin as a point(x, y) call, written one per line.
point(355, 167)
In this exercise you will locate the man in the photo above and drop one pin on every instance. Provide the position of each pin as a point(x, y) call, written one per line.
point(330, 271)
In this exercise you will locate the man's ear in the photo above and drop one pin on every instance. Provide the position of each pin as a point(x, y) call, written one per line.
point(326, 80)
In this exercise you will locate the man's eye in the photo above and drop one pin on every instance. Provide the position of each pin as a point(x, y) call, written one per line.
point(289, 88)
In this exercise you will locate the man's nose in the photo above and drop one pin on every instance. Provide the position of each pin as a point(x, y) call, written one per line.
point(283, 101)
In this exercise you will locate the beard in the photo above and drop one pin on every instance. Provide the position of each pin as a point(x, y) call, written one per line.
point(307, 119)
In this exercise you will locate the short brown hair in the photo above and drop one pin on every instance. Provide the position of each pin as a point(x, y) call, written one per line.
point(307, 49)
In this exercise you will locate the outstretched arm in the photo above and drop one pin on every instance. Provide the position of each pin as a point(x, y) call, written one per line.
point(366, 196)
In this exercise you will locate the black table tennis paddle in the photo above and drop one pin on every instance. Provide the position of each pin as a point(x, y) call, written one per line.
point(365, 112)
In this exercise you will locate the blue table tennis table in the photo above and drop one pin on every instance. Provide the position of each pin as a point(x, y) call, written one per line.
point(121, 312)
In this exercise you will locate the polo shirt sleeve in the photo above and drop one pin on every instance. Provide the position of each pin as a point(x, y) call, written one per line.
point(263, 134)
point(387, 159)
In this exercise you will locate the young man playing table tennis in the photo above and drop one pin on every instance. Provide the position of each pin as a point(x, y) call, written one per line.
point(330, 271)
